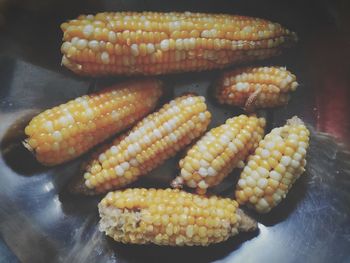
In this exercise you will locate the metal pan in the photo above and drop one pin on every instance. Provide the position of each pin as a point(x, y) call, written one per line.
point(41, 222)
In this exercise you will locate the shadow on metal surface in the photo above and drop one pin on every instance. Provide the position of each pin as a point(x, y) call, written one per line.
point(80, 205)
point(154, 253)
point(15, 155)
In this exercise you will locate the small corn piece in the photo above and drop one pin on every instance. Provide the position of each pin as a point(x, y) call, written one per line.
point(151, 43)
point(219, 151)
point(153, 140)
point(170, 217)
point(256, 87)
point(277, 163)
point(64, 132)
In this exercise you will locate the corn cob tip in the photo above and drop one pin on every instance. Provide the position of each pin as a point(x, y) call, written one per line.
point(78, 186)
point(177, 183)
point(295, 120)
point(73, 66)
point(247, 224)
point(26, 145)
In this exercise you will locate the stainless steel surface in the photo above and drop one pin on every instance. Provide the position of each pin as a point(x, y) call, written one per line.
point(41, 222)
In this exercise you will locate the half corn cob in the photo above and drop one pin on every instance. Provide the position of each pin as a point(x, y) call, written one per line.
point(219, 151)
point(170, 217)
point(256, 87)
point(277, 163)
point(153, 140)
point(69, 130)
point(151, 43)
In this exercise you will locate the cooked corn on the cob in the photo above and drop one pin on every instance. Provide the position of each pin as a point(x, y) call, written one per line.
point(277, 163)
point(219, 151)
point(69, 130)
point(256, 87)
point(153, 140)
point(151, 43)
point(170, 217)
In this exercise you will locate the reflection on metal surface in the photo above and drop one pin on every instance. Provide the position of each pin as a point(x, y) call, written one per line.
point(41, 222)
point(48, 187)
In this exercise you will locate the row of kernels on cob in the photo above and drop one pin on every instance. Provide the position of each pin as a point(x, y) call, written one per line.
point(156, 43)
point(153, 140)
point(219, 151)
point(67, 131)
point(170, 217)
point(160, 62)
point(236, 27)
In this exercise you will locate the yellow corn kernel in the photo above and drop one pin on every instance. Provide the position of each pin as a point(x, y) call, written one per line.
point(219, 151)
point(256, 87)
point(64, 132)
point(151, 43)
point(272, 185)
point(138, 216)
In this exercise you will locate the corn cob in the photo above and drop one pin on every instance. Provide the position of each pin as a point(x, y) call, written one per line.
point(256, 87)
point(170, 217)
point(151, 43)
point(153, 140)
point(277, 163)
point(67, 131)
point(219, 151)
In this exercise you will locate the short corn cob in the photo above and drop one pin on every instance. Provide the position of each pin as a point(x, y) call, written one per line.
point(256, 87)
point(151, 43)
point(219, 151)
point(277, 163)
point(170, 217)
point(153, 140)
point(67, 131)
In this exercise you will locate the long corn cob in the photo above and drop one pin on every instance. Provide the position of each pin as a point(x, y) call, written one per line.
point(153, 140)
point(277, 163)
point(151, 43)
point(67, 131)
point(170, 217)
point(256, 87)
point(219, 151)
